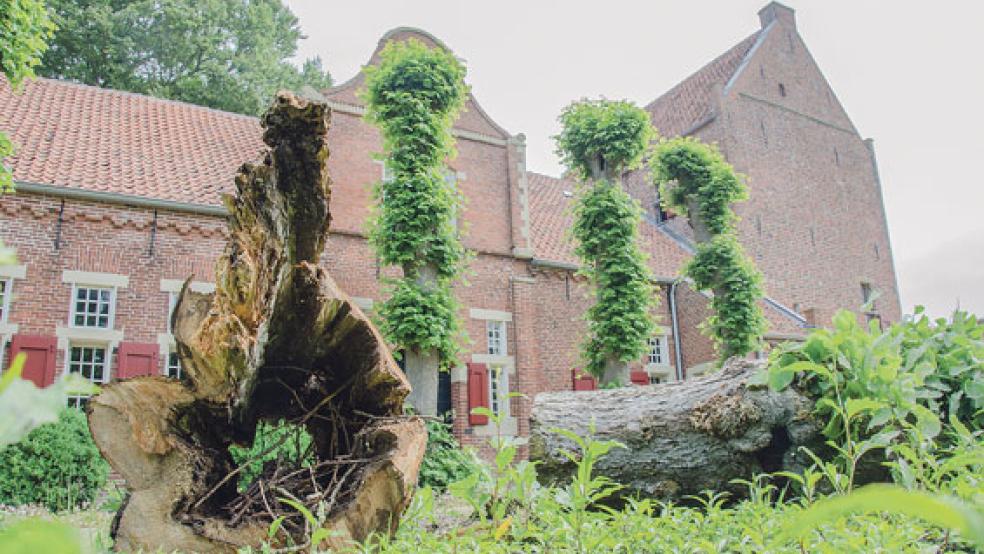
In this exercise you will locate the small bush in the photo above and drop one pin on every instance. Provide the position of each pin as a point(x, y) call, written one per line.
point(444, 462)
point(56, 465)
point(282, 441)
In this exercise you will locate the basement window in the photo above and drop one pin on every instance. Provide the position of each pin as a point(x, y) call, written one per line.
point(172, 369)
point(498, 390)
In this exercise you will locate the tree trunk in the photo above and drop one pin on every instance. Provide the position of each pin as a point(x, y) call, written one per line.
point(276, 341)
point(681, 438)
point(616, 371)
point(422, 372)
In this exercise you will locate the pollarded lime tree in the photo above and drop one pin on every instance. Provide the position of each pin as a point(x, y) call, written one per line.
point(413, 95)
point(599, 141)
point(695, 180)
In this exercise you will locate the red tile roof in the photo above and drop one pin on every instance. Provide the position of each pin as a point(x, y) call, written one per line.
point(690, 102)
point(85, 137)
point(551, 220)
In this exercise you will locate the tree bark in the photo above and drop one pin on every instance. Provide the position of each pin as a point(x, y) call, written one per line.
point(616, 371)
point(276, 341)
point(681, 438)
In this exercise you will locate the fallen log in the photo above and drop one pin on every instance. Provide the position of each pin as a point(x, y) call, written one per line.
point(276, 341)
point(681, 438)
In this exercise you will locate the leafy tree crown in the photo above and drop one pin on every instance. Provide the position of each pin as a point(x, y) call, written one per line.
point(615, 131)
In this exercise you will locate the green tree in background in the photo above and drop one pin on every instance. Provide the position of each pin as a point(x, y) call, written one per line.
point(696, 180)
point(24, 27)
point(599, 141)
point(231, 55)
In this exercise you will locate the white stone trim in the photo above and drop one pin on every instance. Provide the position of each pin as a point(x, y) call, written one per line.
point(364, 304)
point(66, 335)
point(459, 374)
point(165, 344)
point(13, 271)
point(9, 329)
point(662, 370)
point(174, 285)
point(93, 278)
point(506, 361)
point(496, 315)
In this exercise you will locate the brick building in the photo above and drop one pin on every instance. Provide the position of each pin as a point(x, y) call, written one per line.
point(118, 202)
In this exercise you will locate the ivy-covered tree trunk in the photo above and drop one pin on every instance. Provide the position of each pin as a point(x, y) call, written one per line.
point(277, 341)
point(414, 95)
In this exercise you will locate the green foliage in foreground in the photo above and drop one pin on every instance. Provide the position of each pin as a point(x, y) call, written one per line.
point(56, 465)
point(695, 180)
point(445, 462)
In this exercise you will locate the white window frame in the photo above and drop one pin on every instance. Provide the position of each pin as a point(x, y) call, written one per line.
point(73, 399)
point(8, 292)
point(110, 320)
point(172, 302)
point(657, 378)
point(499, 326)
point(167, 365)
point(662, 342)
point(499, 389)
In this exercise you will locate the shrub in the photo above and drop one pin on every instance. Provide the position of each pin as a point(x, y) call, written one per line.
point(56, 465)
point(444, 461)
point(274, 442)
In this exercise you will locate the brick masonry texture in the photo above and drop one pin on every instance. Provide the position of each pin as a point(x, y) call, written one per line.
point(814, 224)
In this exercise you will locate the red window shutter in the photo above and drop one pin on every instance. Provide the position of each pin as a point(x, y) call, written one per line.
point(583, 381)
point(136, 359)
point(478, 392)
point(40, 364)
point(639, 377)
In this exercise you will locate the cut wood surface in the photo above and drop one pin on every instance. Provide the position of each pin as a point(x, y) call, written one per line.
point(681, 438)
point(277, 340)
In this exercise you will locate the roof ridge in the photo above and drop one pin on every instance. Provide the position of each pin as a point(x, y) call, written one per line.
point(110, 91)
point(701, 69)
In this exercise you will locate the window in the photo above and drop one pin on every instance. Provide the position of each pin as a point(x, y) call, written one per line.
point(173, 367)
point(5, 286)
point(782, 90)
point(498, 390)
point(92, 307)
point(868, 297)
point(656, 379)
point(657, 350)
point(172, 302)
point(90, 363)
point(496, 333)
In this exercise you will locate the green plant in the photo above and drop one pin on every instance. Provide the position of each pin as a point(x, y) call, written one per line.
point(444, 461)
point(281, 441)
point(413, 95)
point(599, 141)
point(694, 179)
point(25, 28)
point(232, 55)
point(57, 465)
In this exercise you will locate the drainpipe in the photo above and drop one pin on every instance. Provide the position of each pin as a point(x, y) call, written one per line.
point(678, 354)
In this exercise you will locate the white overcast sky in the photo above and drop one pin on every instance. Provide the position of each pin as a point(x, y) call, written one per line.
point(911, 75)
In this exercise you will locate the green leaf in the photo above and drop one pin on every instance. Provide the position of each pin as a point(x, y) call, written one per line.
point(944, 512)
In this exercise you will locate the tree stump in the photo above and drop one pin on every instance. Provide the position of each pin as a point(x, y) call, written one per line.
point(277, 340)
point(681, 438)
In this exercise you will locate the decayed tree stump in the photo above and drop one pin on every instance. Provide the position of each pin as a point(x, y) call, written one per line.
point(277, 340)
point(681, 438)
